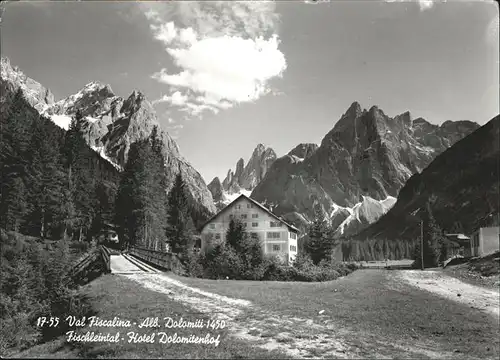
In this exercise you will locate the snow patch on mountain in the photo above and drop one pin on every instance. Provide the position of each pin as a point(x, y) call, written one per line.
point(63, 121)
point(365, 212)
point(91, 119)
point(389, 202)
point(101, 151)
point(230, 197)
point(336, 208)
point(297, 159)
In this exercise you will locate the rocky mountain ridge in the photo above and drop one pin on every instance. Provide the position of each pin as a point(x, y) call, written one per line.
point(361, 164)
point(12, 78)
point(245, 178)
point(462, 185)
point(111, 123)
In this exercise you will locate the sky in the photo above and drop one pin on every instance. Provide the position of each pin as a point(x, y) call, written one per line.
point(226, 76)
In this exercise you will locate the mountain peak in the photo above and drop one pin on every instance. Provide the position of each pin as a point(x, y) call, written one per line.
point(239, 167)
point(12, 79)
point(137, 94)
point(109, 128)
point(404, 118)
point(97, 86)
point(376, 110)
point(215, 187)
point(215, 180)
point(303, 150)
point(354, 109)
point(246, 177)
point(93, 85)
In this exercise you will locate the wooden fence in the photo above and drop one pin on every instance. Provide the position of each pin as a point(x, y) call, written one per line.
point(105, 253)
point(91, 263)
point(158, 258)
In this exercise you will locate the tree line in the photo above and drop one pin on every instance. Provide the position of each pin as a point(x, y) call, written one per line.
point(53, 185)
point(320, 244)
point(146, 214)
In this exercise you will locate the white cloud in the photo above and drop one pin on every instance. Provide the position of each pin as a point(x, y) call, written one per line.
point(227, 52)
point(177, 99)
point(165, 32)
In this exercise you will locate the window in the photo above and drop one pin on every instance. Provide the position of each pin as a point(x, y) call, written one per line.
point(249, 206)
point(243, 216)
point(217, 236)
point(237, 207)
point(293, 235)
point(255, 216)
point(212, 226)
point(275, 224)
point(254, 224)
point(293, 248)
point(254, 235)
point(244, 225)
point(273, 235)
point(276, 247)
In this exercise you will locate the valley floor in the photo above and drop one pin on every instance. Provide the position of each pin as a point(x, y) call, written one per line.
point(370, 313)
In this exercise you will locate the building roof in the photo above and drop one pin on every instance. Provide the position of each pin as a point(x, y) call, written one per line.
point(458, 236)
point(257, 204)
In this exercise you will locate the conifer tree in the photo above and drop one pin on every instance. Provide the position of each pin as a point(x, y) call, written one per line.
point(73, 144)
point(320, 242)
point(35, 160)
point(157, 191)
point(14, 139)
point(235, 235)
point(46, 179)
point(80, 176)
point(432, 241)
point(141, 199)
point(128, 201)
point(180, 225)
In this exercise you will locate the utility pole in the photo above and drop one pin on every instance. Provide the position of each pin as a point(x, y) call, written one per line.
point(422, 244)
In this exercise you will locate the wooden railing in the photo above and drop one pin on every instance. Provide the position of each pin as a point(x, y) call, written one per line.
point(158, 258)
point(88, 263)
point(105, 253)
point(84, 262)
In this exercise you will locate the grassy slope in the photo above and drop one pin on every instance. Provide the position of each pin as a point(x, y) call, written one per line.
point(483, 271)
point(116, 296)
point(367, 303)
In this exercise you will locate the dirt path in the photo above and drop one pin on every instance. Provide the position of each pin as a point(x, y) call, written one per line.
point(121, 265)
point(295, 337)
point(437, 282)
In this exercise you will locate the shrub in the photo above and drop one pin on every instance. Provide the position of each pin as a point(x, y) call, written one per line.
point(80, 246)
point(303, 262)
point(33, 283)
point(194, 265)
point(177, 266)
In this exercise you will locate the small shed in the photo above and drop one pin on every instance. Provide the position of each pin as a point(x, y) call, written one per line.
point(458, 244)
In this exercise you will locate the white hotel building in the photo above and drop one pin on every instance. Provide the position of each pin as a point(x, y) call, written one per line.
point(277, 236)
